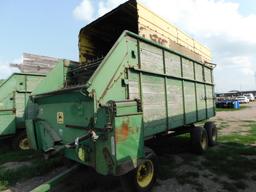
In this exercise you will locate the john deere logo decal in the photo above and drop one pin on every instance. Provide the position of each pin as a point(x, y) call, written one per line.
point(60, 117)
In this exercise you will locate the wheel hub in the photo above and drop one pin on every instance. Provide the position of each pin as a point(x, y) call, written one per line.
point(24, 144)
point(145, 173)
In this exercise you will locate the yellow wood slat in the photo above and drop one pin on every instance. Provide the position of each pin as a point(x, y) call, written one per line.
point(157, 29)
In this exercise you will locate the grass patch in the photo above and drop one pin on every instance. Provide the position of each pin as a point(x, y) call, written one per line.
point(222, 125)
point(229, 186)
point(37, 166)
point(240, 185)
point(253, 177)
point(233, 186)
point(233, 158)
point(242, 139)
point(228, 161)
point(17, 156)
point(190, 178)
point(230, 158)
point(3, 185)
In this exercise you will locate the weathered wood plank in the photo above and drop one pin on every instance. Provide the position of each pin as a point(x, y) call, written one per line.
point(36, 63)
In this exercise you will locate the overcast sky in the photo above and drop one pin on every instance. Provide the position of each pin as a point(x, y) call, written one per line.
point(47, 27)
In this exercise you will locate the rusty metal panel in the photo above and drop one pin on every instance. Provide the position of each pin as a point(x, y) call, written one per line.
point(154, 106)
point(190, 102)
point(128, 132)
point(151, 58)
point(208, 75)
point(172, 64)
point(175, 103)
point(199, 72)
point(201, 103)
point(188, 69)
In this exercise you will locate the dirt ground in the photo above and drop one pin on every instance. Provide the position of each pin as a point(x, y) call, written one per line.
point(181, 170)
point(236, 121)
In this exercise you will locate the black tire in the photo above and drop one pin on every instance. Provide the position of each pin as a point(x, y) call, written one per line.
point(130, 181)
point(212, 133)
point(199, 140)
point(20, 141)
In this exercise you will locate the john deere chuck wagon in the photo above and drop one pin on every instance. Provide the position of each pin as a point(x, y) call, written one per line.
point(101, 110)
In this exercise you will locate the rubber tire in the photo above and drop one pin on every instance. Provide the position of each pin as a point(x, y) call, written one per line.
point(211, 130)
point(197, 133)
point(16, 140)
point(129, 181)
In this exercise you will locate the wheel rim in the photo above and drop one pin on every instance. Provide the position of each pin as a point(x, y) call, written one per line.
point(81, 154)
point(145, 173)
point(24, 144)
point(203, 141)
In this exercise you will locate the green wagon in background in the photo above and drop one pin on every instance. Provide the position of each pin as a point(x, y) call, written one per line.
point(14, 95)
point(100, 112)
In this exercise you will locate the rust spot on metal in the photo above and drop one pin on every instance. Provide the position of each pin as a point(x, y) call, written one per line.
point(125, 131)
point(122, 133)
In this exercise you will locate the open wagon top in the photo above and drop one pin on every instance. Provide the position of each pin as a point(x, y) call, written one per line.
point(97, 38)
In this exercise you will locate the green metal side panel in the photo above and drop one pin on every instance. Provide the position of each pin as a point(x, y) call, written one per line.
point(20, 105)
point(190, 102)
point(32, 82)
point(74, 109)
point(20, 83)
point(7, 105)
point(199, 72)
point(128, 138)
point(107, 79)
point(151, 58)
point(14, 93)
point(183, 89)
point(104, 148)
point(31, 134)
point(201, 102)
point(208, 75)
point(134, 85)
point(175, 103)
point(54, 80)
point(7, 101)
point(133, 55)
point(210, 101)
point(7, 93)
point(154, 106)
point(128, 142)
point(172, 64)
point(8, 126)
point(188, 69)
